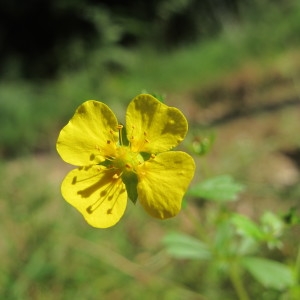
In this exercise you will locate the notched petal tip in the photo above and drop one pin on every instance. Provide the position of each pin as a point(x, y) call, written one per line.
point(83, 141)
point(152, 126)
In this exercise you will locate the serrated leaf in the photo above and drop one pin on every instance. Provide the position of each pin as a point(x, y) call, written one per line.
point(272, 223)
point(270, 273)
point(247, 227)
point(186, 247)
point(222, 188)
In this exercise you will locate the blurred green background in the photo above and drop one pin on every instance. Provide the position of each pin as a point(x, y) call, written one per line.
point(231, 66)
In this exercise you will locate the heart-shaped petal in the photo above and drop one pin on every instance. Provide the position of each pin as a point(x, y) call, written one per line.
point(152, 126)
point(162, 182)
point(98, 193)
point(90, 136)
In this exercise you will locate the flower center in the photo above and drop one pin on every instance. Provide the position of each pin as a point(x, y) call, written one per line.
point(126, 160)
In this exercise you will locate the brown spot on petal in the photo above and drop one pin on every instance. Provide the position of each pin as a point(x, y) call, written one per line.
point(89, 210)
point(74, 180)
point(103, 193)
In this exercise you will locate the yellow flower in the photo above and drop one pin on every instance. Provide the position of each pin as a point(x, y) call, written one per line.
point(116, 163)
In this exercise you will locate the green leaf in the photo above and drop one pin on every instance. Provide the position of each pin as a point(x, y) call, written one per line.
point(222, 188)
point(247, 227)
point(273, 227)
point(270, 273)
point(272, 224)
point(186, 247)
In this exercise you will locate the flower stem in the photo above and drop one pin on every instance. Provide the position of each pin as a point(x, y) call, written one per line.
point(237, 282)
point(297, 266)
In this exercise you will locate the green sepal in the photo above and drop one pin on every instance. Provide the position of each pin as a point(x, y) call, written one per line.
point(145, 155)
point(130, 180)
point(106, 163)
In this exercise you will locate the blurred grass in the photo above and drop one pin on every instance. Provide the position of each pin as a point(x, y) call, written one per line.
point(48, 252)
point(115, 76)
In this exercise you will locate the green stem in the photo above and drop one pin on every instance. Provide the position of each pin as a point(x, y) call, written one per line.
point(237, 282)
point(297, 266)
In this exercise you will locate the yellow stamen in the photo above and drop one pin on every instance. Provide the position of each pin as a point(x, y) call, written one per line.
point(119, 127)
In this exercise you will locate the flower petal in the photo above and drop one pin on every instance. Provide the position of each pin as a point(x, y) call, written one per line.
point(163, 180)
point(89, 136)
point(152, 126)
point(97, 194)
